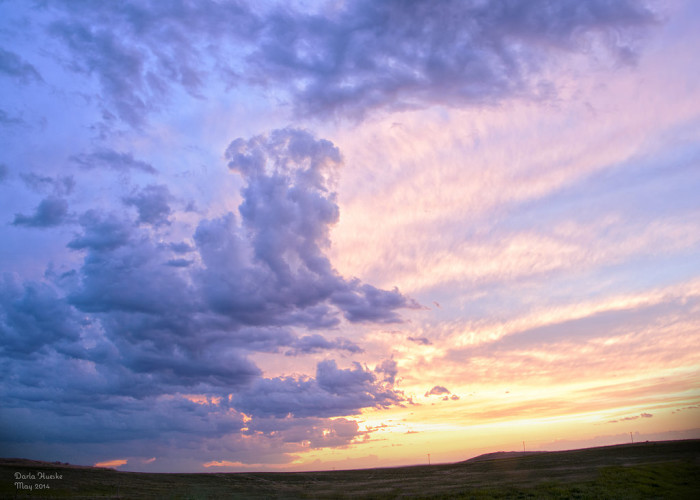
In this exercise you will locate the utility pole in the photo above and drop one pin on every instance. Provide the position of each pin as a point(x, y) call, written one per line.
point(631, 437)
point(523, 445)
point(428, 458)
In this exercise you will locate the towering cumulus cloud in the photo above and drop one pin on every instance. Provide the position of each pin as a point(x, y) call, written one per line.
point(126, 326)
point(288, 208)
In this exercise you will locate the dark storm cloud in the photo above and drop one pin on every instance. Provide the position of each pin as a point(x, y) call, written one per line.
point(142, 320)
point(123, 271)
point(33, 317)
point(252, 278)
point(186, 369)
point(108, 158)
point(51, 211)
point(152, 203)
point(138, 419)
point(333, 392)
point(367, 55)
point(100, 232)
point(400, 54)
point(14, 66)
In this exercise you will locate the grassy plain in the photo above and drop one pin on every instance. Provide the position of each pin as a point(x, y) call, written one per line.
point(669, 469)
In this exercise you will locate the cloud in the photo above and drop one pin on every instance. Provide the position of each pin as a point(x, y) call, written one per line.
point(420, 340)
point(178, 263)
point(343, 62)
point(180, 248)
point(7, 119)
point(59, 186)
point(316, 343)
point(437, 390)
point(279, 274)
point(142, 53)
point(35, 317)
point(50, 212)
point(400, 55)
point(334, 392)
point(108, 158)
point(14, 66)
point(152, 204)
point(140, 320)
point(267, 271)
point(81, 422)
point(311, 432)
point(388, 369)
point(100, 232)
point(118, 462)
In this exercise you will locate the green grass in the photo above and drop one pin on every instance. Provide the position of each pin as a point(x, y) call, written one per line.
point(645, 470)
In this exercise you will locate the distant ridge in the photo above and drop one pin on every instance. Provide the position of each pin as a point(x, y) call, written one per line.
point(497, 455)
point(500, 454)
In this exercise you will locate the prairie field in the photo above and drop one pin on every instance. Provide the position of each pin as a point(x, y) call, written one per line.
point(669, 469)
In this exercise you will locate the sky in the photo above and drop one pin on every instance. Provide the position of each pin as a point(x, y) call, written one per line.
point(308, 235)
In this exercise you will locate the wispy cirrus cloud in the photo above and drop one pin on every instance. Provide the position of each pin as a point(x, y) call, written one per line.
point(108, 158)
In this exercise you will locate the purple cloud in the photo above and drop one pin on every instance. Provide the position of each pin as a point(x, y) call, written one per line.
point(334, 392)
point(422, 53)
point(108, 158)
point(437, 390)
point(141, 320)
point(152, 203)
point(51, 211)
point(452, 53)
point(13, 66)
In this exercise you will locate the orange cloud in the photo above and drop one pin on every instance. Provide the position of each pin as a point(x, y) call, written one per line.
point(223, 463)
point(228, 463)
point(202, 399)
point(112, 463)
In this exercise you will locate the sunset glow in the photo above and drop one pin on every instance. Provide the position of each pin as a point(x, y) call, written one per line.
point(299, 235)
